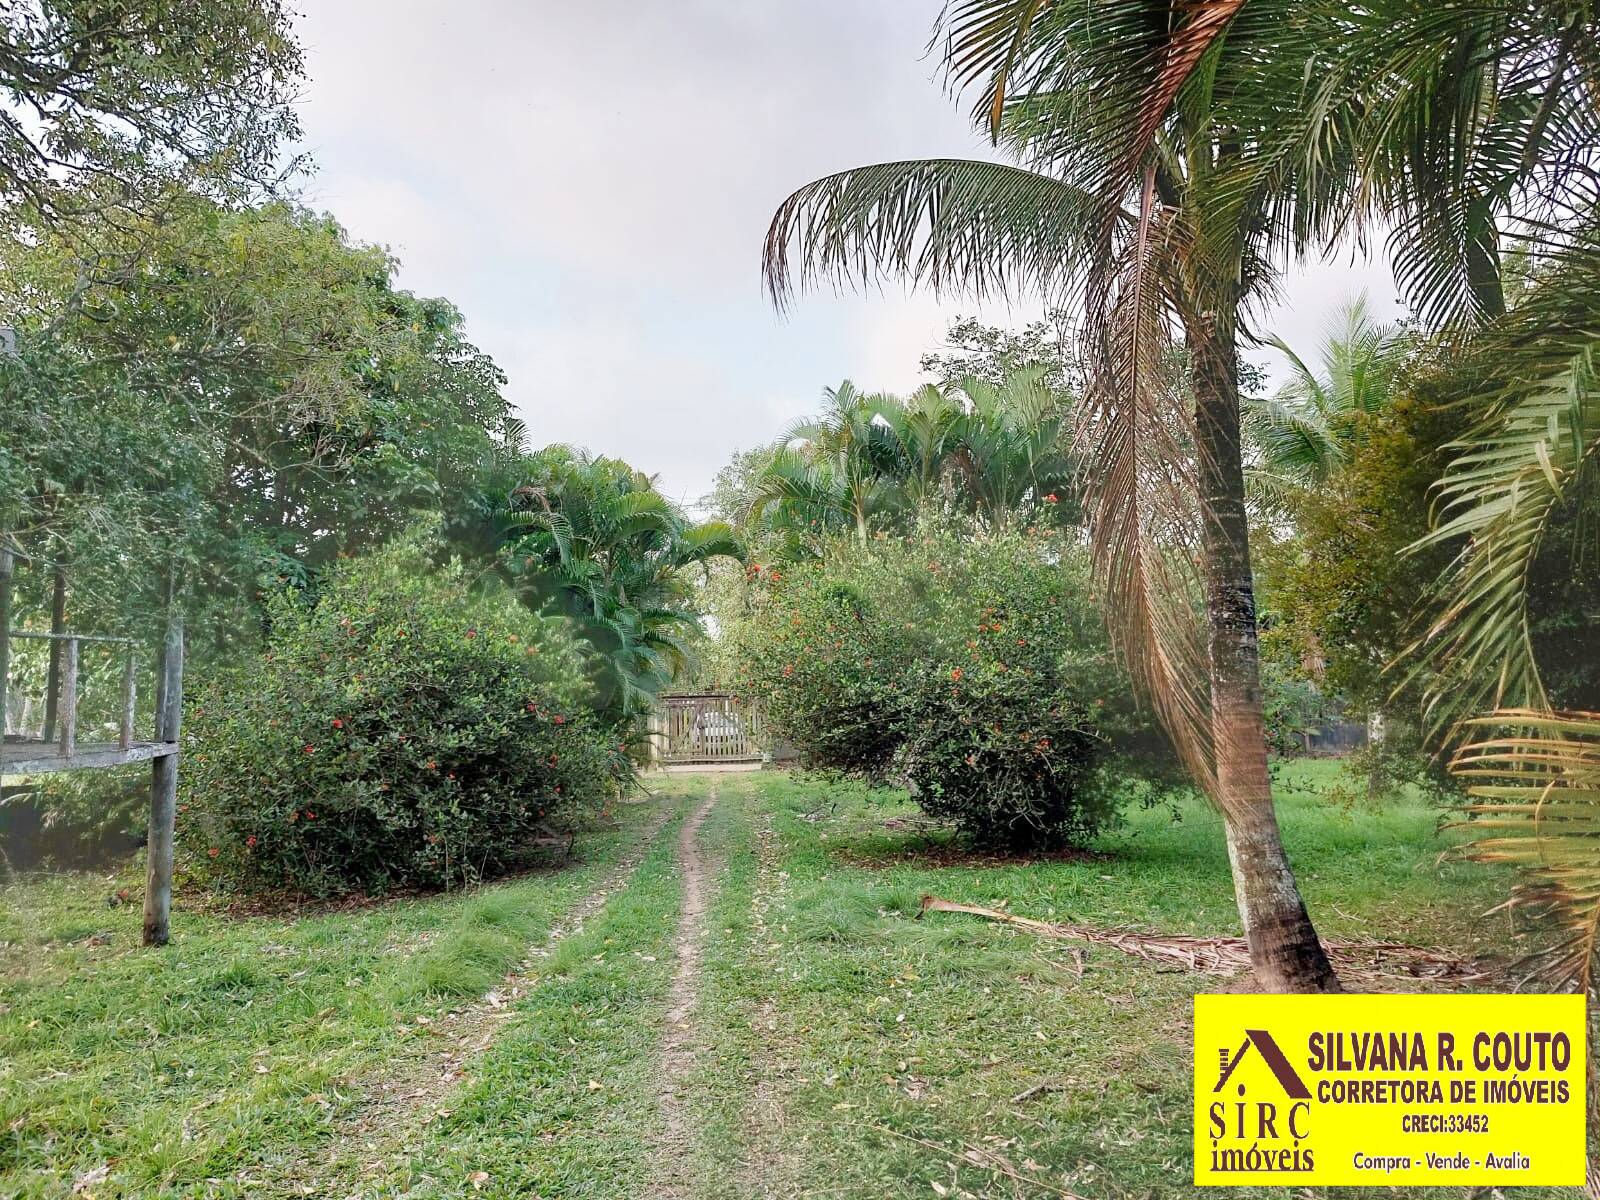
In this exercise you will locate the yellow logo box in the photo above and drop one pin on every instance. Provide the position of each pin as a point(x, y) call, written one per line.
point(1389, 1090)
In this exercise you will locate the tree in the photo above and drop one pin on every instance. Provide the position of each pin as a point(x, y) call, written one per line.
point(255, 401)
point(1008, 448)
point(1299, 436)
point(974, 350)
point(119, 106)
point(1169, 157)
point(840, 468)
point(593, 537)
point(1140, 218)
point(1525, 476)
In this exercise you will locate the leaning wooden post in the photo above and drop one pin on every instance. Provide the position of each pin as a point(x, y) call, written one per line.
point(164, 785)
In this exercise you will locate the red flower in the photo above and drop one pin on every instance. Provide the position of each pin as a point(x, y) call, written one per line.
point(431, 765)
point(530, 706)
point(310, 749)
point(472, 633)
point(250, 841)
point(212, 852)
point(788, 670)
point(310, 816)
point(1052, 498)
point(560, 720)
point(338, 722)
point(955, 673)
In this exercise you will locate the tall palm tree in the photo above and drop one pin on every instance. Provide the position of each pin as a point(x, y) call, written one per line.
point(1166, 158)
point(1139, 217)
point(1297, 437)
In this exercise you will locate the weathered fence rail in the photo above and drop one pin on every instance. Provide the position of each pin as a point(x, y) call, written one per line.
point(58, 747)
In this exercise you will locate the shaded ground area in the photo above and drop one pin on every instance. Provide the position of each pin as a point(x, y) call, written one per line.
point(741, 1002)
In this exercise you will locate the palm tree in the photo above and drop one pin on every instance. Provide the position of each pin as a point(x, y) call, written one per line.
point(1299, 436)
point(1139, 215)
point(868, 463)
point(1166, 158)
point(925, 431)
point(1009, 446)
point(593, 537)
point(842, 468)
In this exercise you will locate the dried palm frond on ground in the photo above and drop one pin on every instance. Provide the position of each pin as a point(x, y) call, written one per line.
point(1231, 955)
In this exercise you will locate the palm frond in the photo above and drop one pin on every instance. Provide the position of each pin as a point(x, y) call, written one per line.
point(1534, 780)
point(981, 228)
point(1137, 445)
point(1535, 375)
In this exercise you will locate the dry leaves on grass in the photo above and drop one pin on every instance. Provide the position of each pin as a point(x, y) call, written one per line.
point(1231, 955)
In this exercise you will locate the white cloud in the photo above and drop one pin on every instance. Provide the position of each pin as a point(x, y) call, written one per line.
point(590, 185)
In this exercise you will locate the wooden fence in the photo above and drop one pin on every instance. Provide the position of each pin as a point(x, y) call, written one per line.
point(708, 727)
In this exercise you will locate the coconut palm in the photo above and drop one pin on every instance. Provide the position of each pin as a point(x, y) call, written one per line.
point(1140, 220)
point(1165, 159)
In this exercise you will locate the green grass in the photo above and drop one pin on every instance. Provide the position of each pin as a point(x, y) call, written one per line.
point(892, 1046)
point(847, 1048)
point(183, 1068)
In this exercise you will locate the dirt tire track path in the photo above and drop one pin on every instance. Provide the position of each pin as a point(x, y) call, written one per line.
point(419, 1075)
point(671, 1170)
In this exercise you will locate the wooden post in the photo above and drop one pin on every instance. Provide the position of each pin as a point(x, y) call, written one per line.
point(69, 693)
point(129, 697)
point(164, 785)
point(7, 565)
point(58, 626)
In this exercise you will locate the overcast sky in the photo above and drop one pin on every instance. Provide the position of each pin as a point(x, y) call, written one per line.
point(590, 184)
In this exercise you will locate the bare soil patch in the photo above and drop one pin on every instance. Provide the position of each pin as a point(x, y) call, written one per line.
point(678, 1048)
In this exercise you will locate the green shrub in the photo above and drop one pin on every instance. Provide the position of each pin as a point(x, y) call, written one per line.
point(396, 732)
point(975, 670)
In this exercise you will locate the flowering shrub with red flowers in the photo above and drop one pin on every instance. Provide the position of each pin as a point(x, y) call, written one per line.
point(972, 668)
point(397, 731)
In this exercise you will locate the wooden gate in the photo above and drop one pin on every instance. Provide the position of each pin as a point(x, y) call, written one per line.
point(709, 727)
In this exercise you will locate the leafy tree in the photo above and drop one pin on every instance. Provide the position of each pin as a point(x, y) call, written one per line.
point(966, 662)
point(396, 731)
point(255, 401)
point(973, 350)
point(118, 106)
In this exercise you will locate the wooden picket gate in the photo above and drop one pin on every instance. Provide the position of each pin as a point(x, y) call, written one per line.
point(707, 727)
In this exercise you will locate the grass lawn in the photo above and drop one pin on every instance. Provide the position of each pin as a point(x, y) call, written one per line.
point(883, 1053)
point(843, 1047)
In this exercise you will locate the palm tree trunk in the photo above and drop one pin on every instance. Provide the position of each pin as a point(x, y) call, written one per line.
point(1284, 949)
